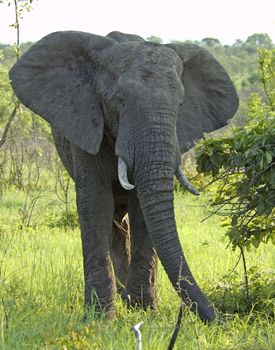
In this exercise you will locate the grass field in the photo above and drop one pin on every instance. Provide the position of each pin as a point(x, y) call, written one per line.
point(41, 287)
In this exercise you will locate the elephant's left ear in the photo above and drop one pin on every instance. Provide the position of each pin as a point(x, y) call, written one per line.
point(55, 78)
point(210, 97)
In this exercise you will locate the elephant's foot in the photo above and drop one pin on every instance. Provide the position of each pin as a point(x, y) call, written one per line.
point(143, 299)
point(100, 291)
point(96, 311)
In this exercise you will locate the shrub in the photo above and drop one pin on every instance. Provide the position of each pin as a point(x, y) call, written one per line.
point(243, 167)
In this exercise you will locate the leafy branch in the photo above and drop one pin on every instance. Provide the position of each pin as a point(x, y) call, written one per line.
point(242, 166)
point(242, 170)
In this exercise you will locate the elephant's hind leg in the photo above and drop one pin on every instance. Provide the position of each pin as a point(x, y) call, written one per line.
point(121, 253)
point(141, 281)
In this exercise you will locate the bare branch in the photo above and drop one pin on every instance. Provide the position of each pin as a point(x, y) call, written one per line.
point(8, 125)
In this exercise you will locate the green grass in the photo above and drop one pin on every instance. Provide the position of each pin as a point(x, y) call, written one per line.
point(41, 287)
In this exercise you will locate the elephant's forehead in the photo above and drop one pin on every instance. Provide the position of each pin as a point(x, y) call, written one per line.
point(143, 54)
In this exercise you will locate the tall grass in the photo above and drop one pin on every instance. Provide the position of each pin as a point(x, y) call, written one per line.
point(41, 288)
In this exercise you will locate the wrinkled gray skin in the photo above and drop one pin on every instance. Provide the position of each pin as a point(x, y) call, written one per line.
point(120, 96)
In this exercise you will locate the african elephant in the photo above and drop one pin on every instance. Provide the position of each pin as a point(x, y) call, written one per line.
point(122, 111)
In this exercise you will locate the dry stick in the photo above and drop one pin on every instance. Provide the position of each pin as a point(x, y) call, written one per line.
point(196, 330)
point(137, 332)
point(177, 328)
point(175, 334)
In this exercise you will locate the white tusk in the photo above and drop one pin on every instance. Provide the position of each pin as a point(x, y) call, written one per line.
point(185, 183)
point(122, 175)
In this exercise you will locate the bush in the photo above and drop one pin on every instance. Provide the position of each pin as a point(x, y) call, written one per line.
point(67, 219)
point(243, 167)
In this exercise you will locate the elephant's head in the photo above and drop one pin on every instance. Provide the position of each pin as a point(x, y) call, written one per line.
point(153, 100)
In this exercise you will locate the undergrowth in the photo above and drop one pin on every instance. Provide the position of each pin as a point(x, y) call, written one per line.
point(41, 287)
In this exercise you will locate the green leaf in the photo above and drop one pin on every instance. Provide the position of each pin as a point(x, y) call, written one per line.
point(256, 241)
point(269, 157)
point(261, 163)
point(261, 207)
point(234, 220)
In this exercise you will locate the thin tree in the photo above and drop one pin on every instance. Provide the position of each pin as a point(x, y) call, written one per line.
point(20, 6)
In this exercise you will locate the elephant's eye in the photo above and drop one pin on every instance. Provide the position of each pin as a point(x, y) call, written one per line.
point(120, 101)
point(117, 100)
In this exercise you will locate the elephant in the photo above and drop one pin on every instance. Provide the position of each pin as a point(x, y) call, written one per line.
point(122, 112)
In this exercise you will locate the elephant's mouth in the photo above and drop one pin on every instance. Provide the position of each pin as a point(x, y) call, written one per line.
point(123, 178)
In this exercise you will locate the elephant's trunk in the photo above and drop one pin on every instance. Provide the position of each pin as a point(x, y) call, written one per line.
point(154, 182)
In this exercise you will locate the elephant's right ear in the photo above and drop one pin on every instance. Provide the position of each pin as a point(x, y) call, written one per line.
point(210, 97)
point(55, 79)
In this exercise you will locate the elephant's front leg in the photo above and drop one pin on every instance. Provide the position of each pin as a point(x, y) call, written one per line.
point(141, 282)
point(95, 209)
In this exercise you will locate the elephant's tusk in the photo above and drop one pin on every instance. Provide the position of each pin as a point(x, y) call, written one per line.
point(185, 183)
point(122, 175)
